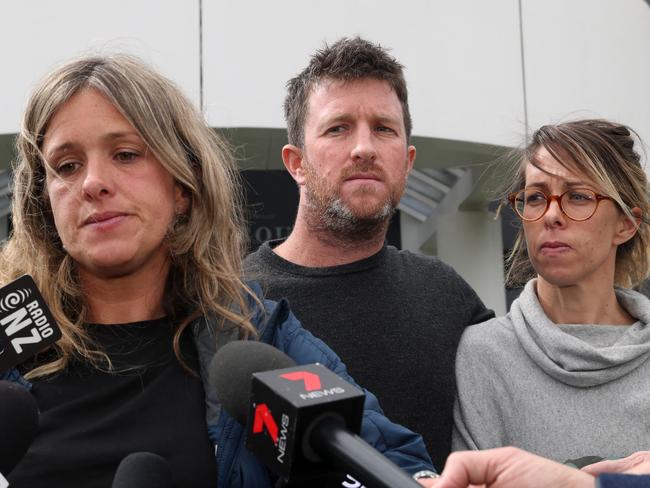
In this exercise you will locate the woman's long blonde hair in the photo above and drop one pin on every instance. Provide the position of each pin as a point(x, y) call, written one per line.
point(603, 151)
point(206, 245)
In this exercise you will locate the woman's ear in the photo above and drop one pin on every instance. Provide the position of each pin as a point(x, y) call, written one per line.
point(627, 226)
point(181, 199)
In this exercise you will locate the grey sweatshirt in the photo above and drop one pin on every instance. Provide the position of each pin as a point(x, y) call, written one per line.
point(562, 391)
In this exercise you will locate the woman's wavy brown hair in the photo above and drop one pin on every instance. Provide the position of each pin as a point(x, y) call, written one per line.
point(605, 153)
point(206, 245)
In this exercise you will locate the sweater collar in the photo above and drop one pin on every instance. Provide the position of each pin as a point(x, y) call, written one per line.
point(570, 359)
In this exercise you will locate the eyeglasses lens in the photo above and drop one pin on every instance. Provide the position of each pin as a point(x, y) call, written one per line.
point(579, 204)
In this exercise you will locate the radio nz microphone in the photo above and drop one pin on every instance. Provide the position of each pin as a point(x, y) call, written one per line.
point(143, 470)
point(18, 425)
point(301, 421)
point(26, 324)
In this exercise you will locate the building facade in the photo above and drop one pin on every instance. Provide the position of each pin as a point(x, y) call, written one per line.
point(481, 76)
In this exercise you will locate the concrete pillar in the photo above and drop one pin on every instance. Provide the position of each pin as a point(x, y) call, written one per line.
point(471, 243)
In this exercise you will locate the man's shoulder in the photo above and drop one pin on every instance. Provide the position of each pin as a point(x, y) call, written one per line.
point(410, 258)
point(422, 266)
point(259, 257)
point(264, 266)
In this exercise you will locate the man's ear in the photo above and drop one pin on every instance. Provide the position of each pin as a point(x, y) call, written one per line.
point(292, 159)
point(410, 158)
point(627, 228)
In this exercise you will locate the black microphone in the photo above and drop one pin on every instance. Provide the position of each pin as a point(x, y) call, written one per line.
point(302, 421)
point(143, 470)
point(18, 424)
point(26, 323)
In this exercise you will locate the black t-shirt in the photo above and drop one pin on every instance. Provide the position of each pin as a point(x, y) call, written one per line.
point(394, 318)
point(91, 419)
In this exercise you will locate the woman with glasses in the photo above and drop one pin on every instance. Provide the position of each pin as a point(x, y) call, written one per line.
point(565, 373)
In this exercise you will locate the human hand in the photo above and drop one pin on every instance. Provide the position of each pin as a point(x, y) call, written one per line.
point(428, 482)
point(637, 463)
point(509, 467)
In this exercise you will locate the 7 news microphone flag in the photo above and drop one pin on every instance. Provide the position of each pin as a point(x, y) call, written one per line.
point(301, 421)
point(286, 406)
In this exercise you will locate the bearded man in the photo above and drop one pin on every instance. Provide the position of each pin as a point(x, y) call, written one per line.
point(394, 317)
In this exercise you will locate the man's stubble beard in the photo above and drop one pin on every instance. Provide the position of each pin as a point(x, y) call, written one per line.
point(328, 213)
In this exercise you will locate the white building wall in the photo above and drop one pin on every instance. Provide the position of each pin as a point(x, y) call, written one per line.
point(471, 242)
point(588, 58)
point(37, 35)
point(470, 76)
point(463, 57)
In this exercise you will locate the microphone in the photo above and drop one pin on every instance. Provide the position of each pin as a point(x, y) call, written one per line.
point(26, 323)
point(301, 421)
point(18, 425)
point(143, 470)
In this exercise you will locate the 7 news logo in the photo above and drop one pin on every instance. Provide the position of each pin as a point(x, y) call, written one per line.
point(285, 404)
point(264, 421)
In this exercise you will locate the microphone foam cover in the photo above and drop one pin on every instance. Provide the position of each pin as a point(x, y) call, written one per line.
point(232, 369)
point(143, 470)
point(18, 424)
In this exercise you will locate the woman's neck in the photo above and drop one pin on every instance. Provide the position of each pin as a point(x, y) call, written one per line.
point(581, 304)
point(124, 299)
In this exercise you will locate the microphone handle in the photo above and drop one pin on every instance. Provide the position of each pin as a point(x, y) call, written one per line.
point(332, 442)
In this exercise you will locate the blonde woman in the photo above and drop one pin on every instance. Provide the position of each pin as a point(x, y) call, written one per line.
point(565, 373)
point(127, 214)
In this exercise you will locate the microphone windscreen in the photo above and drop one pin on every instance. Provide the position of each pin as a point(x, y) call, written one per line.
point(18, 424)
point(232, 369)
point(143, 470)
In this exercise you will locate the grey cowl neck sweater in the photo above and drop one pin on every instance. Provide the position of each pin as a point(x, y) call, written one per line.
point(571, 360)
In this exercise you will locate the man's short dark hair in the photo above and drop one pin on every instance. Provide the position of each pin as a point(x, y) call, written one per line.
point(345, 60)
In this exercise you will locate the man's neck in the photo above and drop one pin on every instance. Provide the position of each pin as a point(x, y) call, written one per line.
point(322, 248)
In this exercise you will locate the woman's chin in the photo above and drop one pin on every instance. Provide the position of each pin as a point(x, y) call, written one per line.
point(108, 267)
point(559, 278)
